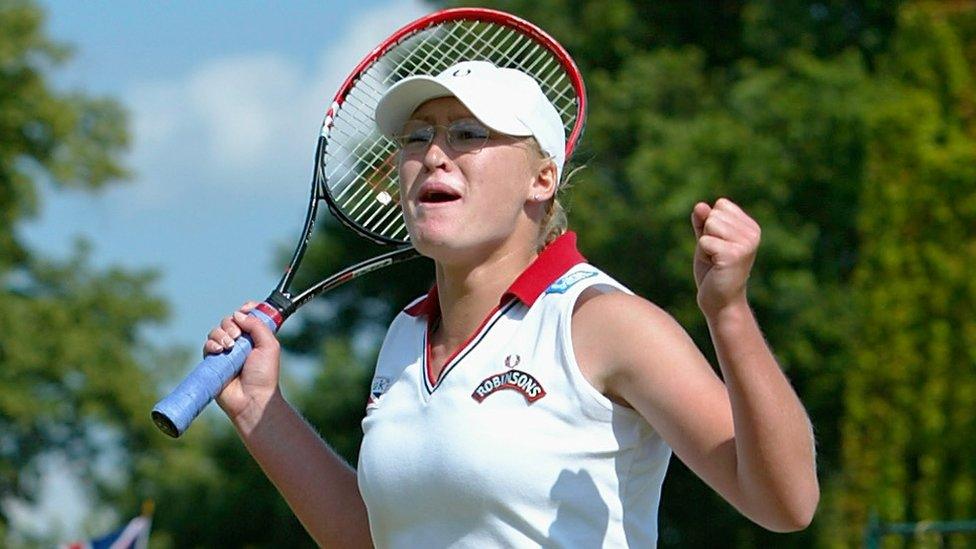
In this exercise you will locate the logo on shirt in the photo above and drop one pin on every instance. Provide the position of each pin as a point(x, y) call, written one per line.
point(515, 380)
point(376, 390)
point(560, 286)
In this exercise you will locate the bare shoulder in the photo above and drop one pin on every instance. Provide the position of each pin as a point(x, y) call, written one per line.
point(618, 336)
point(638, 356)
point(622, 319)
point(617, 307)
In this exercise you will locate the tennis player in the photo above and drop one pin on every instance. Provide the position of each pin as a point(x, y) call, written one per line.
point(529, 398)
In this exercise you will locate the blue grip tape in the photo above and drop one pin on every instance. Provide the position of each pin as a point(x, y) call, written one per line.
point(174, 413)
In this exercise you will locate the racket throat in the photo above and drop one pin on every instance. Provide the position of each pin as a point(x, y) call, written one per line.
point(279, 307)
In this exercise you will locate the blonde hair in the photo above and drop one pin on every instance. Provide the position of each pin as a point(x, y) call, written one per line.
point(555, 222)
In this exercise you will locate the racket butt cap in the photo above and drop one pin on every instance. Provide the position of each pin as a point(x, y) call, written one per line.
point(165, 424)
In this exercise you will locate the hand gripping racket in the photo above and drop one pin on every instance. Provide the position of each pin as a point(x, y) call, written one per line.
point(355, 166)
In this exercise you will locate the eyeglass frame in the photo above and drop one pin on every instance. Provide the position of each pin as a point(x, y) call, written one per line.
point(489, 133)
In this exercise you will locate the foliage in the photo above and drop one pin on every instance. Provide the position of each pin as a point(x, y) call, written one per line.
point(778, 106)
point(224, 499)
point(848, 129)
point(73, 380)
point(908, 430)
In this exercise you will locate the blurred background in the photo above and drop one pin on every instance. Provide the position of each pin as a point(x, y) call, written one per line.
point(154, 165)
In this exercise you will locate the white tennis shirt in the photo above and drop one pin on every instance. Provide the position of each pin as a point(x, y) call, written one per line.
point(511, 446)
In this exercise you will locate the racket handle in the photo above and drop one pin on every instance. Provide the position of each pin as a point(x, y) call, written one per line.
point(174, 413)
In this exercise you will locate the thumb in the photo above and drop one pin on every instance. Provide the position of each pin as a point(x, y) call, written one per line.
point(259, 332)
point(698, 216)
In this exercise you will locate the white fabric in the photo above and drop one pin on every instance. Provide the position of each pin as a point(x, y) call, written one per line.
point(571, 469)
point(506, 100)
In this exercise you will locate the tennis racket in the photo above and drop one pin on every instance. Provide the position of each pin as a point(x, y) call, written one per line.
point(355, 166)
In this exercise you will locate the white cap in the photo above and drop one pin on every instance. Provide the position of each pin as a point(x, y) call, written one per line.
point(506, 100)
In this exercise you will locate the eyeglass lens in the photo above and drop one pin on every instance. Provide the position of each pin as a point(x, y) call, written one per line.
point(465, 135)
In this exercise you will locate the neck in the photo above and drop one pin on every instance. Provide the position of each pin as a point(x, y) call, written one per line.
point(468, 292)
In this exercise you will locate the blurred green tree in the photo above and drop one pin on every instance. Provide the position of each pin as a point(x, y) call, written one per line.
point(225, 500)
point(846, 128)
point(909, 426)
point(73, 381)
point(764, 103)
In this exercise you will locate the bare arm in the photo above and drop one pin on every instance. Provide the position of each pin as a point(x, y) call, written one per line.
point(773, 437)
point(748, 438)
point(318, 485)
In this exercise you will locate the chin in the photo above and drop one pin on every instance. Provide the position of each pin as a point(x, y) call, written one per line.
point(462, 248)
point(438, 249)
point(435, 224)
point(443, 245)
point(453, 239)
point(428, 240)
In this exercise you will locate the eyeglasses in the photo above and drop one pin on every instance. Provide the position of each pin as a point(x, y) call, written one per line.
point(464, 135)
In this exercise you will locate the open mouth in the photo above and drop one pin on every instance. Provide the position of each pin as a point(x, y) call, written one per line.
point(438, 196)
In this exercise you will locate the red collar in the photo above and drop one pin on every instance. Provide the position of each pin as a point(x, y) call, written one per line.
point(557, 258)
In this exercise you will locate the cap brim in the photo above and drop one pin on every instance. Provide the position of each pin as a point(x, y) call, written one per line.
point(401, 100)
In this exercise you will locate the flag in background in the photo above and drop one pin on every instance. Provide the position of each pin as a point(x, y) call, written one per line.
point(134, 535)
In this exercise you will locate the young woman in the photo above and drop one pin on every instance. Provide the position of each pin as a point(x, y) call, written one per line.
point(529, 399)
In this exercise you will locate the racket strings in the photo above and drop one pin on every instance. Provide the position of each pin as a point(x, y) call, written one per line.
point(372, 87)
point(530, 65)
point(465, 37)
point(359, 164)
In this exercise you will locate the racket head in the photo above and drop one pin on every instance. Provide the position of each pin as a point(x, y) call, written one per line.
point(356, 165)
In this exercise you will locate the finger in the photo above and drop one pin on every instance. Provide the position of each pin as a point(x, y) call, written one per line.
point(698, 216)
point(725, 221)
point(716, 225)
point(231, 327)
point(211, 347)
point(726, 205)
point(221, 338)
point(733, 226)
point(712, 245)
point(735, 214)
point(248, 306)
point(260, 334)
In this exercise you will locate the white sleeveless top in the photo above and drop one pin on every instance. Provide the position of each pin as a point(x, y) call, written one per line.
point(511, 446)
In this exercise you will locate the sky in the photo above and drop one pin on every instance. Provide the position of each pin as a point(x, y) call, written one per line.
point(225, 102)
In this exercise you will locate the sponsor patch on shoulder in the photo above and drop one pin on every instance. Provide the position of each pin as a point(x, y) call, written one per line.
point(560, 286)
point(376, 390)
point(515, 380)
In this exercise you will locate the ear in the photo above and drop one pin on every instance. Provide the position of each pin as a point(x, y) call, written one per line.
point(545, 182)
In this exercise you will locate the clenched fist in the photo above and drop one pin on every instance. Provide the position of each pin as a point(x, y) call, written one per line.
point(727, 242)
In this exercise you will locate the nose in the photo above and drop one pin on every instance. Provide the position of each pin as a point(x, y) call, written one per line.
point(436, 154)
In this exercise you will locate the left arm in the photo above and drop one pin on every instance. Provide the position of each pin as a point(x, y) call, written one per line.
point(775, 454)
point(772, 430)
point(748, 438)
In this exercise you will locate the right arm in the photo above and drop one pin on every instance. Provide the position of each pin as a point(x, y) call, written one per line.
point(318, 485)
